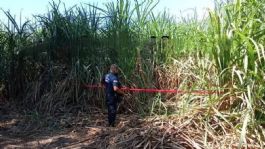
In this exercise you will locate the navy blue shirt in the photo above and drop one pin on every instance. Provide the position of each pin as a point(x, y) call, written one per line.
point(110, 80)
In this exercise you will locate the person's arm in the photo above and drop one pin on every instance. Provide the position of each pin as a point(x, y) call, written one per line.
point(119, 91)
point(116, 87)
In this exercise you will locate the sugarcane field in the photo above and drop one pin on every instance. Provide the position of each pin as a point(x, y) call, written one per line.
point(132, 74)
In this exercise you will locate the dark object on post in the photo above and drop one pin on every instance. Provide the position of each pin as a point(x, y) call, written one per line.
point(165, 37)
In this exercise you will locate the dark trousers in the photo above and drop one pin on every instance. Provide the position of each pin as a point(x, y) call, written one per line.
point(112, 108)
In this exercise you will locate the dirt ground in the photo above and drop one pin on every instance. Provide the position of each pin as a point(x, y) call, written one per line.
point(62, 131)
point(90, 131)
point(95, 135)
point(83, 130)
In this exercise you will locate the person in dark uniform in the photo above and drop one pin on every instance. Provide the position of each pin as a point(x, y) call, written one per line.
point(113, 92)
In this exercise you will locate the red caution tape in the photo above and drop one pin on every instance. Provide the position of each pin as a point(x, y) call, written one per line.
point(200, 92)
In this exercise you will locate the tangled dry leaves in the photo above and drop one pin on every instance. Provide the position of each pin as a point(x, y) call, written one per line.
point(131, 131)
